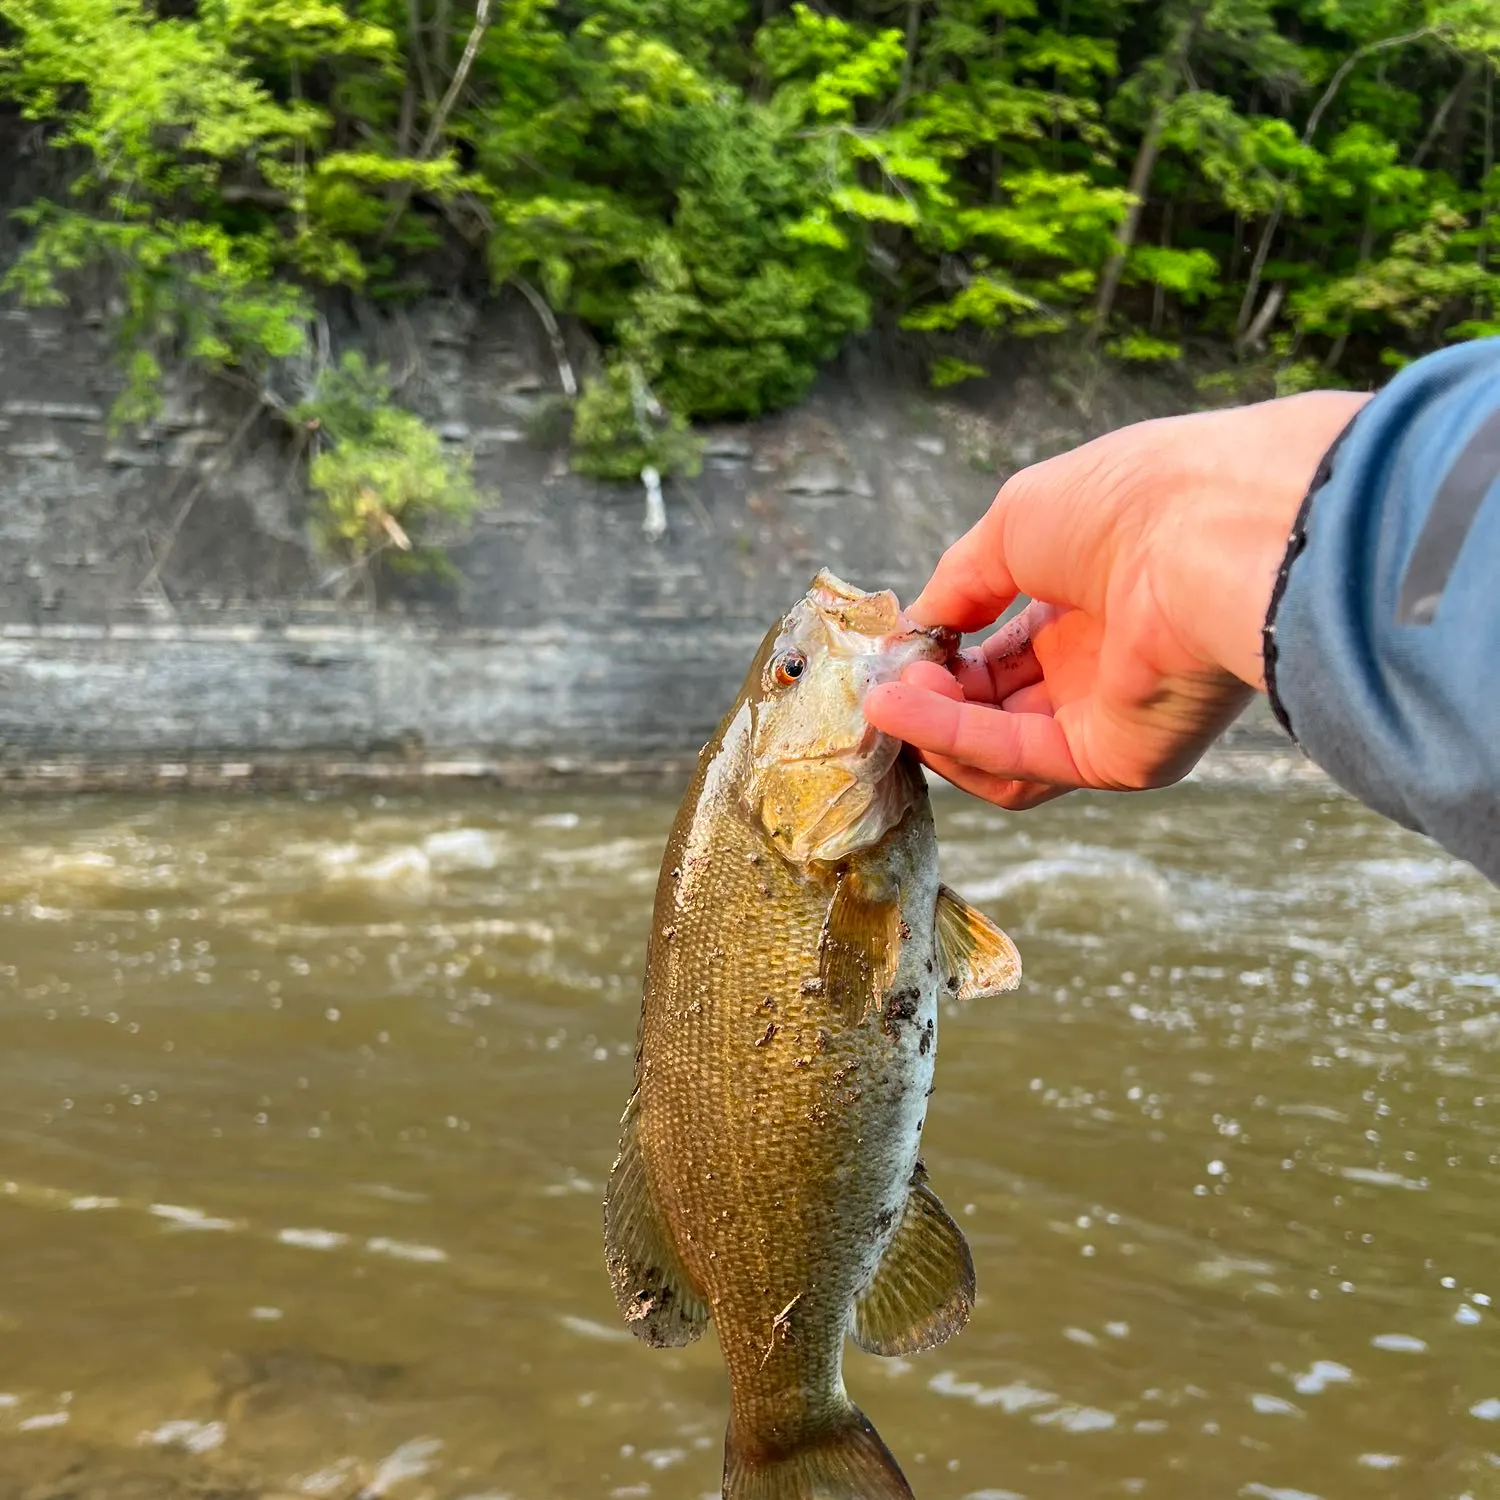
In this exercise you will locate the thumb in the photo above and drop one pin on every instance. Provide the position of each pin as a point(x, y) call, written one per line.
point(1047, 534)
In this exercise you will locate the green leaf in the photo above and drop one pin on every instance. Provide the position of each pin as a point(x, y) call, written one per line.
point(1143, 348)
point(947, 370)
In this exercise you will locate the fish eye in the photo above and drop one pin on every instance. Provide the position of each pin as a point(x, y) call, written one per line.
point(789, 666)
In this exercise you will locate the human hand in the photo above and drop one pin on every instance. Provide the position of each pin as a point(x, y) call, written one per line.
point(1149, 556)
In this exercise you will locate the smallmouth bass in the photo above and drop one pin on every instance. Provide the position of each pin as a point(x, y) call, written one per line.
point(768, 1173)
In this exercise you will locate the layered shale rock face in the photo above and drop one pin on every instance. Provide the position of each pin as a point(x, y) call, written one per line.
point(162, 604)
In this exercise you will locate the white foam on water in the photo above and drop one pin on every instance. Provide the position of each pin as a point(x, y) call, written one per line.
point(328, 1480)
point(1015, 1397)
point(1077, 1419)
point(190, 1218)
point(1274, 1406)
point(455, 849)
point(408, 871)
point(1378, 1178)
point(1399, 1343)
point(588, 1329)
point(411, 1460)
point(42, 1421)
point(1324, 1373)
point(312, 1239)
point(191, 1437)
point(402, 1250)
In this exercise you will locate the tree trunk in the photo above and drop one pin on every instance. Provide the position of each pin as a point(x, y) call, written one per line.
point(1451, 159)
point(1435, 129)
point(1145, 164)
point(997, 157)
point(1140, 182)
point(909, 62)
point(1489, 166)
point(1159, 292)
point(419, 52)
point(1273, 222)
point(1065, 20)
point(441, 27)
point(1366, 246)
point(438, 123)
point(914, 41)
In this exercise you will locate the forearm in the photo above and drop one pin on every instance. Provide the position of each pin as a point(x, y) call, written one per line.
point(1383, 640)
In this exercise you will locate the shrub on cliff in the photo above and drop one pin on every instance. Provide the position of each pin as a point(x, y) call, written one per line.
point(388, 483)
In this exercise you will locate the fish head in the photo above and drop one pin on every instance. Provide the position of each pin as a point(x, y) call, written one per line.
point(823, 782)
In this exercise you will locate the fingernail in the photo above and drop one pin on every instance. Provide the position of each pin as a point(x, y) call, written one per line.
point(917, 611)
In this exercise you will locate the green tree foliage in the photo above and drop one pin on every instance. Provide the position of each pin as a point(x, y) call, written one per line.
point(723, 192)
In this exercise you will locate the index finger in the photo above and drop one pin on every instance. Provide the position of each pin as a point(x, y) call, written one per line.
point(1012, 746)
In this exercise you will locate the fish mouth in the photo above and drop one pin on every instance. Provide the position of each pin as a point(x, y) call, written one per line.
point(907, 644)
point(937, 643)
point(854, 618)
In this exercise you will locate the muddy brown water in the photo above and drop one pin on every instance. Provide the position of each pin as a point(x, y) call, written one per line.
point(306, 1106)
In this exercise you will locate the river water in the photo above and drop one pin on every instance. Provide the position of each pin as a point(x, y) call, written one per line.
point(307, 1103)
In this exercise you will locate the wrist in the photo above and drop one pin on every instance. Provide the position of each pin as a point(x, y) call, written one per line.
point(1236, 509)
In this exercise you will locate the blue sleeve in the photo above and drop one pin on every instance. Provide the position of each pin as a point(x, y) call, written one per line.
point(1383, 639)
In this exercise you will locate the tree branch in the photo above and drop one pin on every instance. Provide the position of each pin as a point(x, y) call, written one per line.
point(439, 121)
point(460, 78)
point(1273, 222)
point(554, 334)
point(418, 54)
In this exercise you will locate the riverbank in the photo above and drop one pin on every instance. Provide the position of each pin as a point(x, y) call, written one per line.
point(165, 619)
point(1252, 753)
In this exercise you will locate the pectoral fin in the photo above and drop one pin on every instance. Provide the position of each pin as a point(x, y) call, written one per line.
point(656, 1298)
point(923, 1290)
point(859, 948)
point(975, 958)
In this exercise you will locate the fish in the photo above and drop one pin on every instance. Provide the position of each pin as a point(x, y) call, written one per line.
point(768, 1176)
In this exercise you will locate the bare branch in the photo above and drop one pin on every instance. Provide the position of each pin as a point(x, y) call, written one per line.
point(418, 53)
point(554, 334)
point(456, 85)
point(1273, 222)
point(439, 121)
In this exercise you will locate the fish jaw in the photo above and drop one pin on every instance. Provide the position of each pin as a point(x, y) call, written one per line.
point(823, 780)
point(875, 629)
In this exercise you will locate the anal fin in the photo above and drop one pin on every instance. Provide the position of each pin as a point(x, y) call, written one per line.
point(655, 1296)
point(923, 1291)
point(975, 957)
point(860, 948)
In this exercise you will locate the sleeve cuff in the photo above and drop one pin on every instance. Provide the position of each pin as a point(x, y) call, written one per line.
point(1296, 544)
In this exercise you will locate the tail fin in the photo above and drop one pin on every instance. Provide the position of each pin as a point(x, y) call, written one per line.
point(848, 1462)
